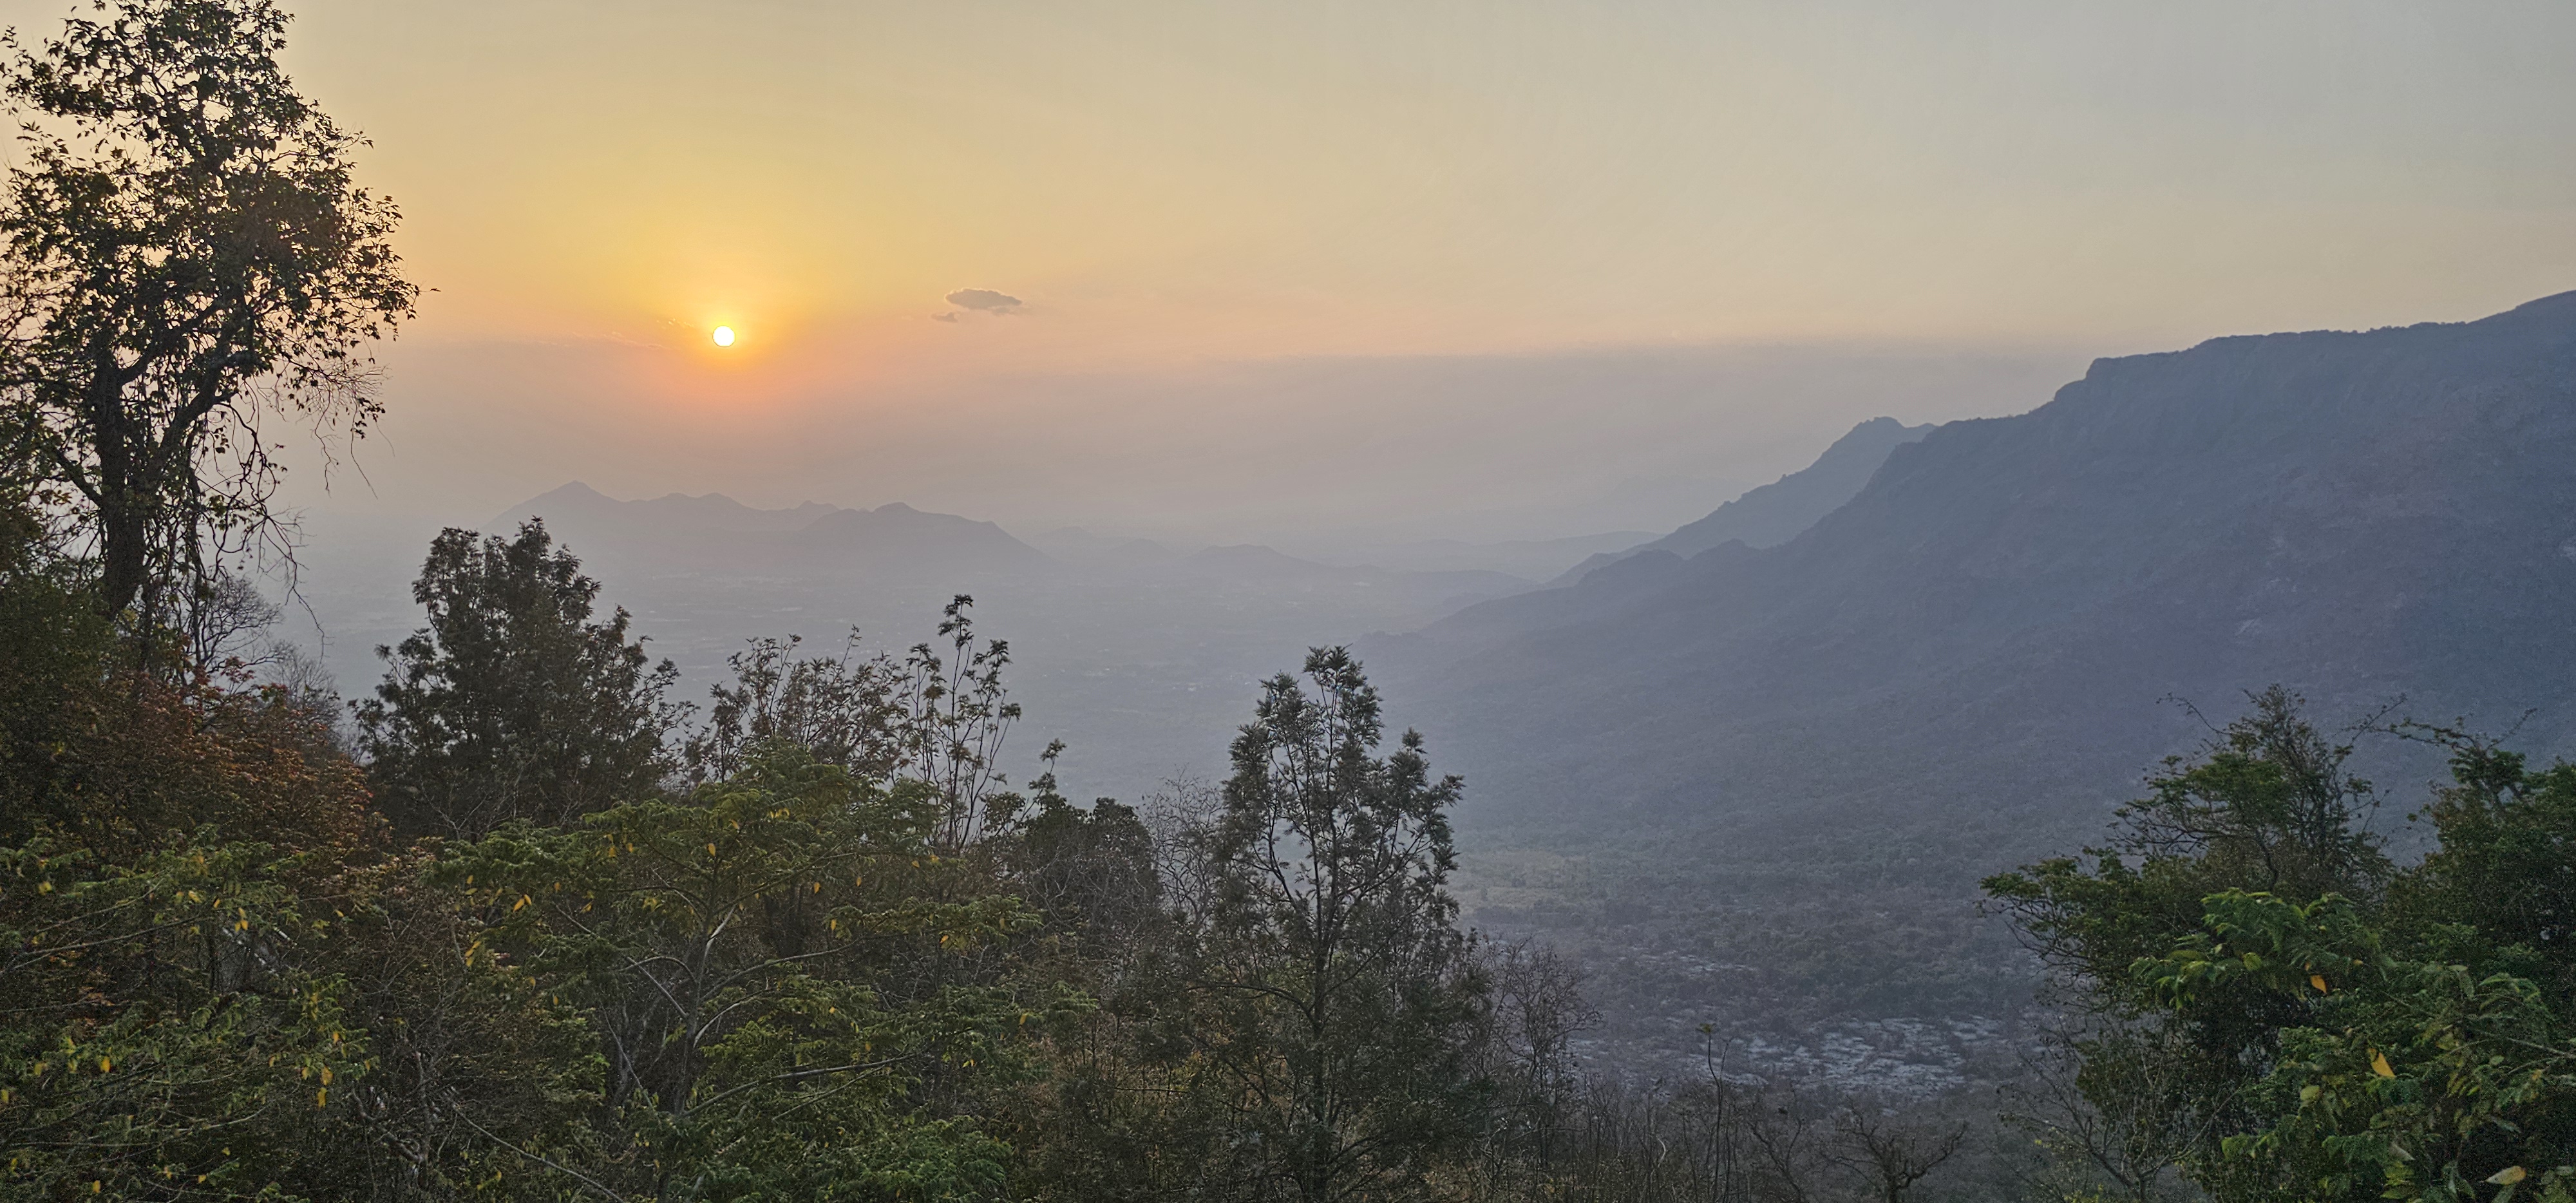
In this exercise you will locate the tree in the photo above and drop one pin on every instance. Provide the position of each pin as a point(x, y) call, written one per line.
point(512, 704)
point(2506, 862)
point(843, 710)
point(1341, 1004)
point(954, 717)
point(2324, 1025)
point(188, 257)
point(176, 860)
point(1890, 1158)
point(743, 955)
point(54, 648)
point(1536, 1009)
point(158, 1031)
point(2113, 1103)
point(2267, 806)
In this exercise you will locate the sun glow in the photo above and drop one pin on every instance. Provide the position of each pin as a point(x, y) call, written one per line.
point(724, 336)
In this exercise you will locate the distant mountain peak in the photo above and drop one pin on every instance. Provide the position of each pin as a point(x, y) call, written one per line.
point(891, 535)
point(1782, 510)
point(570, 490)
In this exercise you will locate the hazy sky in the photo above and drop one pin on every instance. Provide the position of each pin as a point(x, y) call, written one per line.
point(1183, 194)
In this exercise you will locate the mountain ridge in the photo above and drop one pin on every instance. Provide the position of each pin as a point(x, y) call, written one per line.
point(1771, 514)
point(725, 531)
point(2077, 516)
point(1760, 785)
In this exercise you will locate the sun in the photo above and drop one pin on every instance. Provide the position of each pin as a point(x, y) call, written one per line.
point(724, 336)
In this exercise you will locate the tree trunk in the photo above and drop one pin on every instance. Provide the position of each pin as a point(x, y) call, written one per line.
point(124, 527)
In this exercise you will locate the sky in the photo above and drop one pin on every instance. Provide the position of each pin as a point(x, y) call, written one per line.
point(1491, 269)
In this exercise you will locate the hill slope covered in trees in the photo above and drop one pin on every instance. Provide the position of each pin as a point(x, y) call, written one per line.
point(1964, 663)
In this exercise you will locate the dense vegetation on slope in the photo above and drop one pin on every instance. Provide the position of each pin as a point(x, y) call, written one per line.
point(1719, 766)
point(813, 947)
point(2266, 1007)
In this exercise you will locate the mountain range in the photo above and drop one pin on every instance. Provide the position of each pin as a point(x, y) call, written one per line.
point(1718, 758)
point(2360, 516)
point(715, 527)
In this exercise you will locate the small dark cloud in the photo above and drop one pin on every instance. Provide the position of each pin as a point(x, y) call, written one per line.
point(943, 317)
point(983, 300)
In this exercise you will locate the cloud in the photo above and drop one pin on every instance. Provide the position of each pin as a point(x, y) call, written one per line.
point(984, 300)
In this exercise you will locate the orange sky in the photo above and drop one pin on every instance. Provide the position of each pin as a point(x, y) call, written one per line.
point(1165, 180)
point(594, 185)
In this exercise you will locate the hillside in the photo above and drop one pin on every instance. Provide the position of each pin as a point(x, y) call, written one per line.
point(1961, 667)
point(1777, 512)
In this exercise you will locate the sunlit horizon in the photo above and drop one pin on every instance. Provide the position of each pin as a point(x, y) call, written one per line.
point(1150, 198)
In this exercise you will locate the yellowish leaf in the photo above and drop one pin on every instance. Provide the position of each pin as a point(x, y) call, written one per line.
point(2318, 980)
point(2507, 1176)
point(2379, 1064)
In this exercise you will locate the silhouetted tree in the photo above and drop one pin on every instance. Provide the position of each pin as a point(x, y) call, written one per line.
point(1341, 1002)
point(187, 256)
point(1891, 1157)
point(512, 704)
point(842, 709)
point(955, 715)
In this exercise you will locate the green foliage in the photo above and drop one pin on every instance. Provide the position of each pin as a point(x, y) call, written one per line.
point(53, 651)
point(845, 962)
point(843, 710)
point(743, 955)
point(819, 949)
point(2501, 886)
point(161, 1044)
point(2343, 1030)
point(512, 704)
point(1337, 1003)
point(936, 719)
